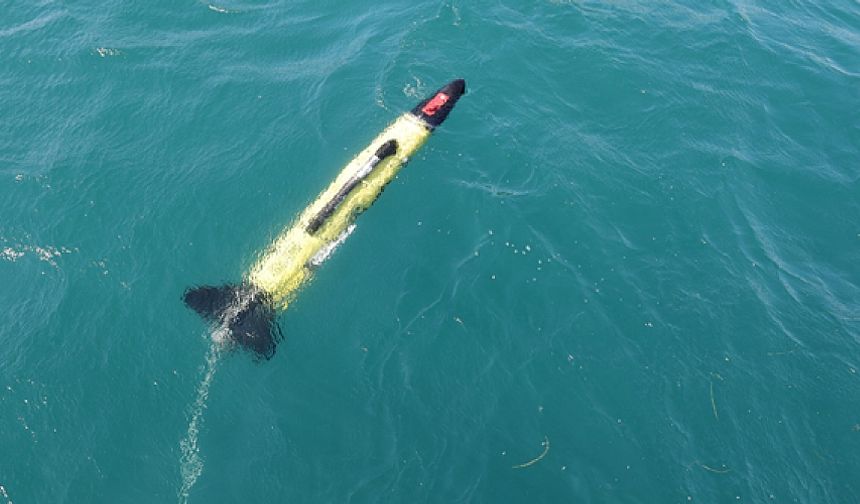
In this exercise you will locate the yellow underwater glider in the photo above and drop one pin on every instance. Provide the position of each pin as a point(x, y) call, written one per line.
point(245, 312)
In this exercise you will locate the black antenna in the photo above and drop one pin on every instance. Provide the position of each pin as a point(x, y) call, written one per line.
point(389, 148)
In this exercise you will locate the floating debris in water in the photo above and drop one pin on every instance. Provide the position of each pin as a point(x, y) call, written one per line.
point(536, 459)
point(721, 470)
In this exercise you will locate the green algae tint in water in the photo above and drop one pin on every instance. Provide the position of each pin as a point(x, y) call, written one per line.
point(628, 260)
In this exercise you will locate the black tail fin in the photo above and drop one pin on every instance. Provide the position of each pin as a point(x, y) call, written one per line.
point(244, 310)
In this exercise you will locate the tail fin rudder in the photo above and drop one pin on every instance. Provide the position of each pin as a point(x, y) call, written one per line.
point(246, 312)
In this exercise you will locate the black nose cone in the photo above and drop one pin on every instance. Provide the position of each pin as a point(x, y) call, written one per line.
point(435, 110)
point(456, 87)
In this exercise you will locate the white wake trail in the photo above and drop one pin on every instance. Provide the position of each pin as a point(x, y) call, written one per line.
point(191, 463)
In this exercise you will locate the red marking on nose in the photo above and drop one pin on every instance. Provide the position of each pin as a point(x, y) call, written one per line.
point(435, 104)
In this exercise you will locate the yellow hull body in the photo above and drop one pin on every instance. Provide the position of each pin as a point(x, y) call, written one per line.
point(285, 267)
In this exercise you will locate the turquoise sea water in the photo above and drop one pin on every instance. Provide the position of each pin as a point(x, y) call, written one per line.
point(625, 270)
